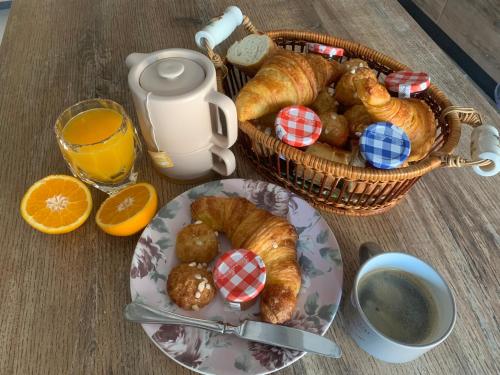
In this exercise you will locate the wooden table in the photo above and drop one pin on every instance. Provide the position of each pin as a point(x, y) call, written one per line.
point(62, 296)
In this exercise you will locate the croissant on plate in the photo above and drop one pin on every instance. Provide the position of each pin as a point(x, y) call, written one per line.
point(271, 237)
point(286, 78)
point(412, 115)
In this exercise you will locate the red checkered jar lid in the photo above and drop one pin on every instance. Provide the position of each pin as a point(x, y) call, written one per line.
point(298, 126)
point(406, 82)
point(240, 275)
point(325, 50)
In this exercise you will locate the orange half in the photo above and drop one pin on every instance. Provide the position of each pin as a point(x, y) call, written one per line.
point(128, 211)
point(56, 204)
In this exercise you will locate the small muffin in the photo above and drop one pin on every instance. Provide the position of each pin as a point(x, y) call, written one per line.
point(197, 243)
point(325, 102)
point(191, 286)
point(353, 64)
point(358, 118)
point(335, 129)
point(345, 91)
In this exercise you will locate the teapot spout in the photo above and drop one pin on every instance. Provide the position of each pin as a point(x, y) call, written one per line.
point(134, 58)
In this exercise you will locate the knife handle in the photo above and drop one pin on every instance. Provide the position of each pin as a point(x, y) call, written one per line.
point(139, 313)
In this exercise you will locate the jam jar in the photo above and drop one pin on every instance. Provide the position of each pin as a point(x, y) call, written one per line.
point(240, 275)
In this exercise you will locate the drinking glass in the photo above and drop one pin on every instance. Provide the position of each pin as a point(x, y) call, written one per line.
point(99, 143)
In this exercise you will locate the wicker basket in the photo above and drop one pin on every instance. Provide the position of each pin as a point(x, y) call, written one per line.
point(332, 186)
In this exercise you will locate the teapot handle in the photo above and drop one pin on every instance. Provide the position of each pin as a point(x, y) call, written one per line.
point(229, 110)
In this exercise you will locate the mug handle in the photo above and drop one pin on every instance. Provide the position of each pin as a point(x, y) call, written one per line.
point(227, 165)
point(229, 109)
point(368, 250)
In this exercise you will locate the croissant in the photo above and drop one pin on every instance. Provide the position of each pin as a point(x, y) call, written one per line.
point(412, 115)
point(271, 237)
point(285, 78)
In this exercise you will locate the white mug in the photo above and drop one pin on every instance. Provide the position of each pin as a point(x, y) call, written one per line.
point(193, 166)
point(375, 342)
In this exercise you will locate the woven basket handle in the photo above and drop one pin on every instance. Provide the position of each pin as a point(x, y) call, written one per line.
point(485, 146)
point(219, 29)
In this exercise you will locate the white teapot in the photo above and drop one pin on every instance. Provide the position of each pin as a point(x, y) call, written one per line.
point(177, 104)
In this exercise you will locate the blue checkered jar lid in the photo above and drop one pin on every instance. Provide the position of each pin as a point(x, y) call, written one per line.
point(384, 145)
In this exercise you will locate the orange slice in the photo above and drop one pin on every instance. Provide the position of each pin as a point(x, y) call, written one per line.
point(128, 211)
point(56, 204)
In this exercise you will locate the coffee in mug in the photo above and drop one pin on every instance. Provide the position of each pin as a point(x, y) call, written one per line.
point(399, 305)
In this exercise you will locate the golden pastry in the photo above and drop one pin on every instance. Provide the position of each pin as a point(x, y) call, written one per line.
point(345, 91)
point(335, 130)
point(327, 152)
point(271, 237)
point(358, 118)
point(196, 243)
point(330, 153)
point(325, 102)
point(286, 78)
point(352, 65)
point(412, 115)
point(191, 286)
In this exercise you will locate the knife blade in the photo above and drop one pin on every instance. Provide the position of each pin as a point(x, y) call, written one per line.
point(288, 337)
point(264, 333)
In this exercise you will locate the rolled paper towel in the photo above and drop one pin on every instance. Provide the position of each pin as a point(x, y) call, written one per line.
point(485, 144)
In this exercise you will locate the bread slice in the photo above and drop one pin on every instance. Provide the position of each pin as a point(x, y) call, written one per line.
point(249, 53)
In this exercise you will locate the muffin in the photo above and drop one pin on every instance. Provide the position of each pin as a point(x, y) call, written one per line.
point(335, 129)
point(345, 91)
point(324, 102)
point(191, 286)
point(358, 118)
point(353, 64)
point(197, 243)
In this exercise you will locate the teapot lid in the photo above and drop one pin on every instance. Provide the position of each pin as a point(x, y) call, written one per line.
point(172, 76)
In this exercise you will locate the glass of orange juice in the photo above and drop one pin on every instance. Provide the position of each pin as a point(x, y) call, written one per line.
point(99, 143)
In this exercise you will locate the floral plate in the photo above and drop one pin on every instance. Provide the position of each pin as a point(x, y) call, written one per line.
point(211, 353)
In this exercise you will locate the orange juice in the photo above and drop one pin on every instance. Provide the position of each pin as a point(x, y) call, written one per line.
point(101, 144)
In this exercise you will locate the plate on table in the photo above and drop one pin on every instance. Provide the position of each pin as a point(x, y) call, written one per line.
point(208, 352)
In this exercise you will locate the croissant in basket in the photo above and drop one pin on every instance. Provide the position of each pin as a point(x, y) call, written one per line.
point(271, 237)
point(412, 115)
point(285, 78)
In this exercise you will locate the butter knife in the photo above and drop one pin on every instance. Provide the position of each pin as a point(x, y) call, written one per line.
point(265, 333)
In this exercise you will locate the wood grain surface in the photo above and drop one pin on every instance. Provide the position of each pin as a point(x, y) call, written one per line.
point(62, 296)
point(433, 8)
point(477, 32)
point(473, 25)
